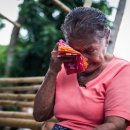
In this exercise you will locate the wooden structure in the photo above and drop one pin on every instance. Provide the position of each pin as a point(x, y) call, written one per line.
point(19, 93)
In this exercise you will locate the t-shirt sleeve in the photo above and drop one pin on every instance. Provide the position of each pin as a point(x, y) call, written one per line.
point(117, 101)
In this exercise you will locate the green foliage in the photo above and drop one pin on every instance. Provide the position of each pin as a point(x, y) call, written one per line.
point(11, 108)
point(43, 20)
point(1, 24)
point(104, 6)
point(33, 54)
point(2, 59)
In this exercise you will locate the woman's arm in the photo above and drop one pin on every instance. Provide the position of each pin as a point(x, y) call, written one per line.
point(113, 123)
point(44, 100)
point(45, 97)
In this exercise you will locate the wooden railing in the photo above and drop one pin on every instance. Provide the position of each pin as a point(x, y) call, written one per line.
point(12, 93)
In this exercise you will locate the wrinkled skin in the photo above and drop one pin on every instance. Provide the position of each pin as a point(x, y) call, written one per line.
point(94, 50)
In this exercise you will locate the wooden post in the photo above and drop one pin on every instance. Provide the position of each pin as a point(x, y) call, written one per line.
point(62, 6)
point(20, 88)
point(16, 103)
point(17, 96)
point(87, 3)
point(21, 115)
point(14, 23)
point(20, 123)
point(22, 80)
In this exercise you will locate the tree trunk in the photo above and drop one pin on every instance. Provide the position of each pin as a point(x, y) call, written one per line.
point(116, 25)
point(64, 7)
point(14, 23)
point(12, 46)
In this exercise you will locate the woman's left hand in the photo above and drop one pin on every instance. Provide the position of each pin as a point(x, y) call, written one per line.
point(113, 123)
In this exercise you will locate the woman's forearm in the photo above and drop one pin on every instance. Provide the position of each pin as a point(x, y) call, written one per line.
point(113, 123)
point(106, 126)
point(44, 100)
point(45, 97)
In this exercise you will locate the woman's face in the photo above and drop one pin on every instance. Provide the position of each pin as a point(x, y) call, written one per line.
point(92, 49)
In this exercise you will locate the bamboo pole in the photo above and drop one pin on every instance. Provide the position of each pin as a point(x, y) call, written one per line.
point(87, 3)
point(62, 6)
point(16, 103)
point(14, 23)
point(22, 115)
point(17, 96)
point(21, 123)
point(22, 80)
point(20, 88)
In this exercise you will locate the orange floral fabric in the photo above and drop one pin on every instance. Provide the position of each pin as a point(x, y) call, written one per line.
point(79, 63)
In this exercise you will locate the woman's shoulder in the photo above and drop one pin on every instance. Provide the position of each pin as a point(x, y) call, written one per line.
point(121, 60)
point(115, 66)
point(118, 62)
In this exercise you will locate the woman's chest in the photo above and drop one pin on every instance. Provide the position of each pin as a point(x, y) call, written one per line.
point(80, 102)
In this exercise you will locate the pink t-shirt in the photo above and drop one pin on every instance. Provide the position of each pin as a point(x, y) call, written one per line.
point(83, 108)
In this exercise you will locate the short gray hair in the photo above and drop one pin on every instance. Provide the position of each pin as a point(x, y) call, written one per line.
point(85, 20)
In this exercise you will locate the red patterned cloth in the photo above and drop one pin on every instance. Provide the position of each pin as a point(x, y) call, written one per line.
point(79, 62)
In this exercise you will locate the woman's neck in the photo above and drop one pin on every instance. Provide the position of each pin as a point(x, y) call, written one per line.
point(85, 77)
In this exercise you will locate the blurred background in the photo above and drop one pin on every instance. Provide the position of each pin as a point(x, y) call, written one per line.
point(25, 50)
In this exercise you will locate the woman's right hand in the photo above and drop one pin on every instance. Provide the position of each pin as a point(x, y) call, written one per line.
point(55, 63)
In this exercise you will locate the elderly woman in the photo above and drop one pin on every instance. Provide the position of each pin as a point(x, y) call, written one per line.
point(95, 99)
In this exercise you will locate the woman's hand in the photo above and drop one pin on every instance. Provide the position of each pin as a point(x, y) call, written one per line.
point(55, 65)
point(113, 123)
point(45, 97)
